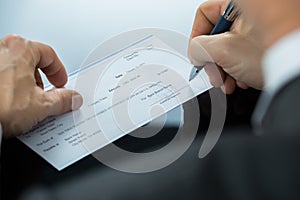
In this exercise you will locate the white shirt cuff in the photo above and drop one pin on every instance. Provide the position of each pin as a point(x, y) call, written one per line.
point(282, 63)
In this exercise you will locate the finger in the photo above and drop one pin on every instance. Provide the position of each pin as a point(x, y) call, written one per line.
point(242, 85)
point(216, 74)
point(207, 16)
point(207, 49)
point(38, 79)
point(61, 101)
point(47, 60)
point(229, 85)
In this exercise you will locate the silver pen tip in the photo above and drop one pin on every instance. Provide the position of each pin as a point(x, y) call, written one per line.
point(194, 73)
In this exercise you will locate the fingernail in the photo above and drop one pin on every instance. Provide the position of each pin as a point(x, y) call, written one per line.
point(76, 101)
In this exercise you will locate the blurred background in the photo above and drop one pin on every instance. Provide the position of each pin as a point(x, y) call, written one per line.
point(75, 27)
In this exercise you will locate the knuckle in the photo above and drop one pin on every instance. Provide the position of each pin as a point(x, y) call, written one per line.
point(13, 38)
point(200, 9)
point(42, 103)
point(58, 100)
point(206, 7)
point(202, 6)
point(63, 98)
point(46, 101)
point(60, 97)
point(19, 48)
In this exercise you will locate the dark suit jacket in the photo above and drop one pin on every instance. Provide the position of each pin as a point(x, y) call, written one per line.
point(283, 114)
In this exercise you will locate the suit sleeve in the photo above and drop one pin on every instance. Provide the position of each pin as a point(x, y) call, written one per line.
point(283, 114)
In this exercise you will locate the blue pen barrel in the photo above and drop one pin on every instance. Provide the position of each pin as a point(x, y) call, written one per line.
point(222, 26)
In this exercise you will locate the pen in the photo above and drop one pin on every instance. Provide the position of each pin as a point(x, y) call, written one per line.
point(224, 24)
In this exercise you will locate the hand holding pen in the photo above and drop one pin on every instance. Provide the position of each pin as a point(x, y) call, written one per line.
point(223, 25)
point(236, 54)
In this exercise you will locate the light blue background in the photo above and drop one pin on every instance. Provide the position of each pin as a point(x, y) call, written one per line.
point(75, 27)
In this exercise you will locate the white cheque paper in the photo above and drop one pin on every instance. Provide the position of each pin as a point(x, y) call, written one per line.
point(121, 92)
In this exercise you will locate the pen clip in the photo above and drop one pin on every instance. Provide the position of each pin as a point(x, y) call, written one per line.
point(231, 12)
